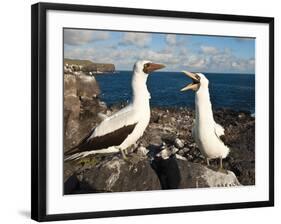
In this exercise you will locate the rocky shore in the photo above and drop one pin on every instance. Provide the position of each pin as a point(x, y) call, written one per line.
point(169, 130)
point(173, 126)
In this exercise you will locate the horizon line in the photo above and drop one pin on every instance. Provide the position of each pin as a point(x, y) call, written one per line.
point(238, 73)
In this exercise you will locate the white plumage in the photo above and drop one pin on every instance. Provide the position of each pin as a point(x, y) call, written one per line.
point(123, 128)
point(206, 132)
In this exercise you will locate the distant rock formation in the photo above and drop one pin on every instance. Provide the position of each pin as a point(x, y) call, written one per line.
point(87, 66)
point(99, 68)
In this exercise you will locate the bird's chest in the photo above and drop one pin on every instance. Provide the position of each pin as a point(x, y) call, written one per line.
point(203, 136)
point(144, 119)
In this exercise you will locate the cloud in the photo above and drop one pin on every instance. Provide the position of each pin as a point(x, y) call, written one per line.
point(243, 64)
point(157, 56)
point(195, 62)
point(208, 49)
point(182, 55)
point(100, 35)
point(103, 55)
point(227, 60)
point(80, 37)
point(137, 39)
point(173, 58)
point(171, 39)
point(212, 59)
point(80, 53)
point(252, 61)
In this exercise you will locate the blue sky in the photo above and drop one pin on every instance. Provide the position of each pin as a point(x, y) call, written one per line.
point(177, 51)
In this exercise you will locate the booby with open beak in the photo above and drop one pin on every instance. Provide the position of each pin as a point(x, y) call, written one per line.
point(123, 128)
point(206, 132)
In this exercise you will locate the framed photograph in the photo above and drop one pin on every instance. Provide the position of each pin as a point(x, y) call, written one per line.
point(140, 111)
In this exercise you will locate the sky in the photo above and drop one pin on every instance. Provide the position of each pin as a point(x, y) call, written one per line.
point(198, 53)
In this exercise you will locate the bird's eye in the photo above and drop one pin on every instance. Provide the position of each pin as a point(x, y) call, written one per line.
point(146, 67)
point(198, 77)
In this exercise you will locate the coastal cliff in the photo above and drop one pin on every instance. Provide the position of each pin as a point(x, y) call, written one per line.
point(88, 66)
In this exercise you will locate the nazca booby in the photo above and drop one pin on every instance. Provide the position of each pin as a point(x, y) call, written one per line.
point(123, 128)
point(206, 132)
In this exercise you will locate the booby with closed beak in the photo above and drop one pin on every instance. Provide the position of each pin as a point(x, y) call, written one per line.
point(206, 132)
point(122, 129)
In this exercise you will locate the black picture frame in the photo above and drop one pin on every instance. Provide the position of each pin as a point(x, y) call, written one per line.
point(39, 115)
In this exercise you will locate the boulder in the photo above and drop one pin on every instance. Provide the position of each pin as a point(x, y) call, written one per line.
point(71, 121)
point(142, 151)
point(195, 175)
point(117, 175)
point(81, 107)
point(71, 108)
point(87, 87)
point(70, 85)
point(179, 143)
point(113, 174)
point(72, 104)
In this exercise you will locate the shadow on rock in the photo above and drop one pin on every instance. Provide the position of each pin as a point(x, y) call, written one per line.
point(165, 167)
point(73, 186)
point(167, 171)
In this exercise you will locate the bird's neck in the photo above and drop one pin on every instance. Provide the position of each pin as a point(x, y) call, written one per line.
point(141, 95)
point(203, 107)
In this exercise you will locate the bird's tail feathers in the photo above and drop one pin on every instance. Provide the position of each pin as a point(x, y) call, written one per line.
point(80, 155)
point(75, 148)
point(219, 130)
point(72, 150)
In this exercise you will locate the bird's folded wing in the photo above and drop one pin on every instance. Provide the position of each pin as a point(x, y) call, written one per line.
point(103, 142)
point(110, 139)
point(125, 117)
point(219, 130)
point(112, 131)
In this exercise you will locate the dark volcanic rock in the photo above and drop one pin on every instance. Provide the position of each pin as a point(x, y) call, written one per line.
point(81, 107)
point(87, 86)
point(239, 136)
point(116, 175)
point(195, 175)
point(71, 111)
point(113, 174)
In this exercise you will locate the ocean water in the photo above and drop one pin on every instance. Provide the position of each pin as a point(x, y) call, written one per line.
point(232, 91)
